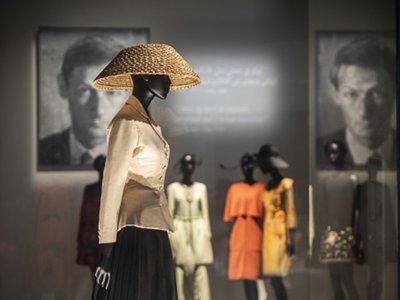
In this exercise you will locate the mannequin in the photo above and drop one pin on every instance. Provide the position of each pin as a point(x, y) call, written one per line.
point(146, 88)
point(247, 167)
point(134, 220)
point(278, 188)
point(243, 207)
point(374, 227)
point(191, 241)
point(89, 220)
point(338, 188)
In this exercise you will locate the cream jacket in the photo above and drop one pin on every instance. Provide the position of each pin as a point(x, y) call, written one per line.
point(133, 182)
point(191, 241)
point(189, 202)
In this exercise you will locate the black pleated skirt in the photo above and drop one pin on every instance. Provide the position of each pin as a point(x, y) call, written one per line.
point(143, 267)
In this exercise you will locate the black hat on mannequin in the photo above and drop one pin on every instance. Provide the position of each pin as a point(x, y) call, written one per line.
point(268, 156)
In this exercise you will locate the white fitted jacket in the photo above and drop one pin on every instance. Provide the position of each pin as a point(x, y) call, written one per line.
point(133, 182)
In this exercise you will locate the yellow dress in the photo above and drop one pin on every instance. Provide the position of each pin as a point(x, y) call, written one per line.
point(280, 216)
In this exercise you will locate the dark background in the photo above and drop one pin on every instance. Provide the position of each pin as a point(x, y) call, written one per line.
point(39, 211)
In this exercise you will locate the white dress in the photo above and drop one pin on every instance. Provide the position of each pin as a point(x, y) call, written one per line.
point(189, 209)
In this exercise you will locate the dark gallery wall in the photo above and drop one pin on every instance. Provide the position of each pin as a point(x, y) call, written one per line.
point(210, 34)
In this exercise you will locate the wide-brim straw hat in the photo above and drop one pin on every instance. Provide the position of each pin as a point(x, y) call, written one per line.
point(146, 59)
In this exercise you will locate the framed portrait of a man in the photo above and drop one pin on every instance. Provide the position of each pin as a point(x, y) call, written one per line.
point(355, 94)
point(72, 116)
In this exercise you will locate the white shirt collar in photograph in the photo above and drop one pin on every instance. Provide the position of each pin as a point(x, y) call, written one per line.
point(77, 150)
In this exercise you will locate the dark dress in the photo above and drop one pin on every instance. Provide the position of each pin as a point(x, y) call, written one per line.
point(89, 221)
point(376, 229)
point(142, 260)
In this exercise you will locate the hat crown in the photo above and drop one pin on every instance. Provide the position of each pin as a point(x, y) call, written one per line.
point(268, 150)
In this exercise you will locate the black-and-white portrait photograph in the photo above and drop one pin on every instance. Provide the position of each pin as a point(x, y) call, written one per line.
point(355, 93)
point(72, 115)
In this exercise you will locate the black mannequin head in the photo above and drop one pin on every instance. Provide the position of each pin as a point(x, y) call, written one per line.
point(336, 152)
point(269, 159)
point(99, 163)
point(247, 163)
point(157, 85)
point(187, 165)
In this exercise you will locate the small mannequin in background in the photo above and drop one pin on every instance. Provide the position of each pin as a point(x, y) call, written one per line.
point(191, 241)
point(374, 227)
point(280, 219)
point(337, 236)
point(244, 207)
point(89, 221)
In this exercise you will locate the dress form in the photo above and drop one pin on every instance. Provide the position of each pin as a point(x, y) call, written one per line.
point(338, 188)
point(146, 88)
point(269, 161)
point(191, 241)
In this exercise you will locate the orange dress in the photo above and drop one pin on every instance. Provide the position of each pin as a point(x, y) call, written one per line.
point(280, 216)
point(243, 202)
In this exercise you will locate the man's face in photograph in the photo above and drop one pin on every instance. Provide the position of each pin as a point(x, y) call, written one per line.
point(91, 109)
point(365, 96)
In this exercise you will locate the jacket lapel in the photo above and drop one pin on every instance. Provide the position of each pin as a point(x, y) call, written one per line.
point(135, 103)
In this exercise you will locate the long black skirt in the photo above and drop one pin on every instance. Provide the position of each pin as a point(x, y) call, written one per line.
point(143, 267)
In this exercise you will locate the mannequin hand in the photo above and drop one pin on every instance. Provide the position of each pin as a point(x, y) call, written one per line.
point(290, 247)
point(103, 271)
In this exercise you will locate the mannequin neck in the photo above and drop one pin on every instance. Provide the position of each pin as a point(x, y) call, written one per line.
point(248, 177)
point(275, 180)
point(187, 179)
point(142, 92)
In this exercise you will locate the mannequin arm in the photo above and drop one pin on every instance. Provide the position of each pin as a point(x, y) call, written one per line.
point(205, 212)
point(291, 248)
point(171, 200)
point(291, 217)
point(103, 271)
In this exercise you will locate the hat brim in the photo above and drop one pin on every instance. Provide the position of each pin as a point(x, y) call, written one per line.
point(124, 81)
point(146, 59)
point(278, 162)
